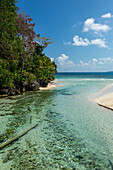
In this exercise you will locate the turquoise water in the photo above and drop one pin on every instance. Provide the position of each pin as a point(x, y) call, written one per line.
point(66, 75)
point(73, 132)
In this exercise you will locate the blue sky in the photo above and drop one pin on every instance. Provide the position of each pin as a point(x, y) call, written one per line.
point(81, 31)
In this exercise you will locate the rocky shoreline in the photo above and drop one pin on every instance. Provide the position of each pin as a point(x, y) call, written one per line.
point(26, 86)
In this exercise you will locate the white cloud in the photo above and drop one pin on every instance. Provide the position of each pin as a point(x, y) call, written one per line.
point(94, 59)
point(101, 43)
point(100, 62)
point(78, 41)
point(62, 58)
point(108, 15)
point(67, 43)
point(106, 60)
point(83, 63)
point(103, 60)
point(90, 24)
point(98, 33)
point(52, 59)
point(93, 64)
point(63, 61)
point(96, 62)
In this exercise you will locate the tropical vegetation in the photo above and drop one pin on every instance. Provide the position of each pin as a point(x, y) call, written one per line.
point(23, 63)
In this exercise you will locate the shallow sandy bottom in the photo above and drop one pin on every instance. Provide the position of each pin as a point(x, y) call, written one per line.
point(72, 132)
point(105, 101)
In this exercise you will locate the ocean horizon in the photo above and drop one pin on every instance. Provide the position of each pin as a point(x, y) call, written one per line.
point(106, 75)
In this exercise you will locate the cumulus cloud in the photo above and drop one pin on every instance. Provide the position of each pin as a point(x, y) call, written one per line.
point(108, 15)
point(78, 41)
point(83, 63)
point(106, 60)
point(100, 62)
point(90, 24)
point(63, 60)
point(94, 59)
point(96, 62)
point(98, 33)
point(101, 43)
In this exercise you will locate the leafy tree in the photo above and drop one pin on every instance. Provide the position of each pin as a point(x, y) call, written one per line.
point(10, 47)
point(21, 58)
point(9, 42)
point(41, 65)
point(6, 76)
point(43, 42)
point(26, 32)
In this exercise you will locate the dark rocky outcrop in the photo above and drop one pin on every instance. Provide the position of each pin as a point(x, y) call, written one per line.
point(24, 86)
point(3, 91)
point(31, 86)
point(11, 91)
point(43, 82)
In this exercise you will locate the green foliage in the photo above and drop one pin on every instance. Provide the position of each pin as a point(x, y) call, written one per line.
point(40, 65)
point(9, 42)
point(6, 77)
point(21, 58)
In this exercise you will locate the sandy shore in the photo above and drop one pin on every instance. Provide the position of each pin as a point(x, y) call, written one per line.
point(51, 85)
point(105, 101)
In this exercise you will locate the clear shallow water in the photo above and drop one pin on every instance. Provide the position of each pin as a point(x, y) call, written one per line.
point(73, 132)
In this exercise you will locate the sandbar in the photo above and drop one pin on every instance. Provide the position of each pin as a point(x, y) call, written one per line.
point(105, 101)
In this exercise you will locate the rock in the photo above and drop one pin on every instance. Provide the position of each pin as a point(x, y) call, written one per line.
point(31, 86)
point(79, 157)
point(43, 83)
point(11, 91)
point(23, 86)
point(74, 160)
point(34, 85)
point(3, 91)
point(17, 91)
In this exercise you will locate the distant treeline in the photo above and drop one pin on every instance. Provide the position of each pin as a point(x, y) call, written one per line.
point(23, 65)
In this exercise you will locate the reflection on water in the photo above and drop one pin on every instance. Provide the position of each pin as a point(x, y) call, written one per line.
point(72, 133)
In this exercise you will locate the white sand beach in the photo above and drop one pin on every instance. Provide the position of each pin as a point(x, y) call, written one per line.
point(51, 85)
point(105, 101)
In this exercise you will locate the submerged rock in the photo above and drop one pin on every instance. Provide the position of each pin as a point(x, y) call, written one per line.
point(79, 157)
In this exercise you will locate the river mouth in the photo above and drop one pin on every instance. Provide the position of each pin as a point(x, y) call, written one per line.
point(72, 132)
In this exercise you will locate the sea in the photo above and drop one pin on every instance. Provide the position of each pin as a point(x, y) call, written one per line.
point(73, 132)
